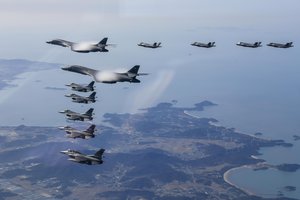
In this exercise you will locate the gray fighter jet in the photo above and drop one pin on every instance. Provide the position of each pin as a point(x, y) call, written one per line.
point(278, 45)
point(251, 45)
point(82, 88)
point(74, 133)
point(79, 157)
point(107, 76)
point(208, 45)
point(82, 47)
point(147, 45)
point(80, 99)
point(71, 115)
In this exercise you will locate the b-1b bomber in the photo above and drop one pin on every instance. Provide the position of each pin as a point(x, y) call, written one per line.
point(79, 157)
point(82, 47)
point(71, 115)
point(80, 99)
point(107, 76)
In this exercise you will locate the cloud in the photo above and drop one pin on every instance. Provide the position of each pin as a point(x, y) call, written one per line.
point(150, 94)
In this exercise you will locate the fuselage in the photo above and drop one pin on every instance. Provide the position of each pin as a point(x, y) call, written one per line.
point(251, 45)
point(199, 44)
point(103, 76)
point(279, 45)
point(80, 99)
point(147, 45)
point(77, 116)
point(79, 157)
point(81, 47)
point(81, 88)
point(85, 47)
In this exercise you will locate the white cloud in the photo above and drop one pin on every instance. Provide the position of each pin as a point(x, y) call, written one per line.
point(149, 94)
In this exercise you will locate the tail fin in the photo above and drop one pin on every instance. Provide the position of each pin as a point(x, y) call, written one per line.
point(91, 129)
point(134, 70)
point(91, 84)
point(93, 95)
point(90, 112)
point(103, 41)
point(99, 153)
point(289, 44)
point(257, 43)
point(159, 44)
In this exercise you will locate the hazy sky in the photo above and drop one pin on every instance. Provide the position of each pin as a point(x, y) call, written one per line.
point(27, 24)
point(226, 74)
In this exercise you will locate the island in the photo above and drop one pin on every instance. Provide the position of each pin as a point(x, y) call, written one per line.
point(290, 188)
point(11, 68)
point(296, 137)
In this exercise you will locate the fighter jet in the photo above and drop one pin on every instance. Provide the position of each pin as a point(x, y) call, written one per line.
point(88, 133)
point(80, 99)
point(251, 45)
point(147, 45)
point(208, 45)
point(82, 47)
point(278, 45)
point(71, 115)
point(107, 76)
point(79, 157)
point(82, 88)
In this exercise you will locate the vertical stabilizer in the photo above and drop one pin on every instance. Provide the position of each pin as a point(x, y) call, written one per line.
point(93, 95)
point(90, 112)
point(99, 153)
point(134, 70)
point(103, 41)
point(91, 129)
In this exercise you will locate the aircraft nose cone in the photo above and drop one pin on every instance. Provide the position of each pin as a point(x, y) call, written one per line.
point(66, 67)
point(64, 152)
point(63, 127)
point(62, 111)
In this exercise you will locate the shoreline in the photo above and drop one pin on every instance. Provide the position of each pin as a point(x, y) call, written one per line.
point(226, 179)
point(226, 175)
point(220, 125)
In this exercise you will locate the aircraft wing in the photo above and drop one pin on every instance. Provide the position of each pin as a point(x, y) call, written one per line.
point(76, 135)
point(78, 98)
point(75, 117)
point(80, 69)
point(60, 42)
point(83, 158)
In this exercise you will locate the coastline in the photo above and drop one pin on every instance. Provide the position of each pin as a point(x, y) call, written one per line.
point(219, 125)
point(226, 175)
point(226, 179)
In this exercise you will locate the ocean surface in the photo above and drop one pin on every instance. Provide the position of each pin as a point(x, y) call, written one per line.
point(260, 95)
